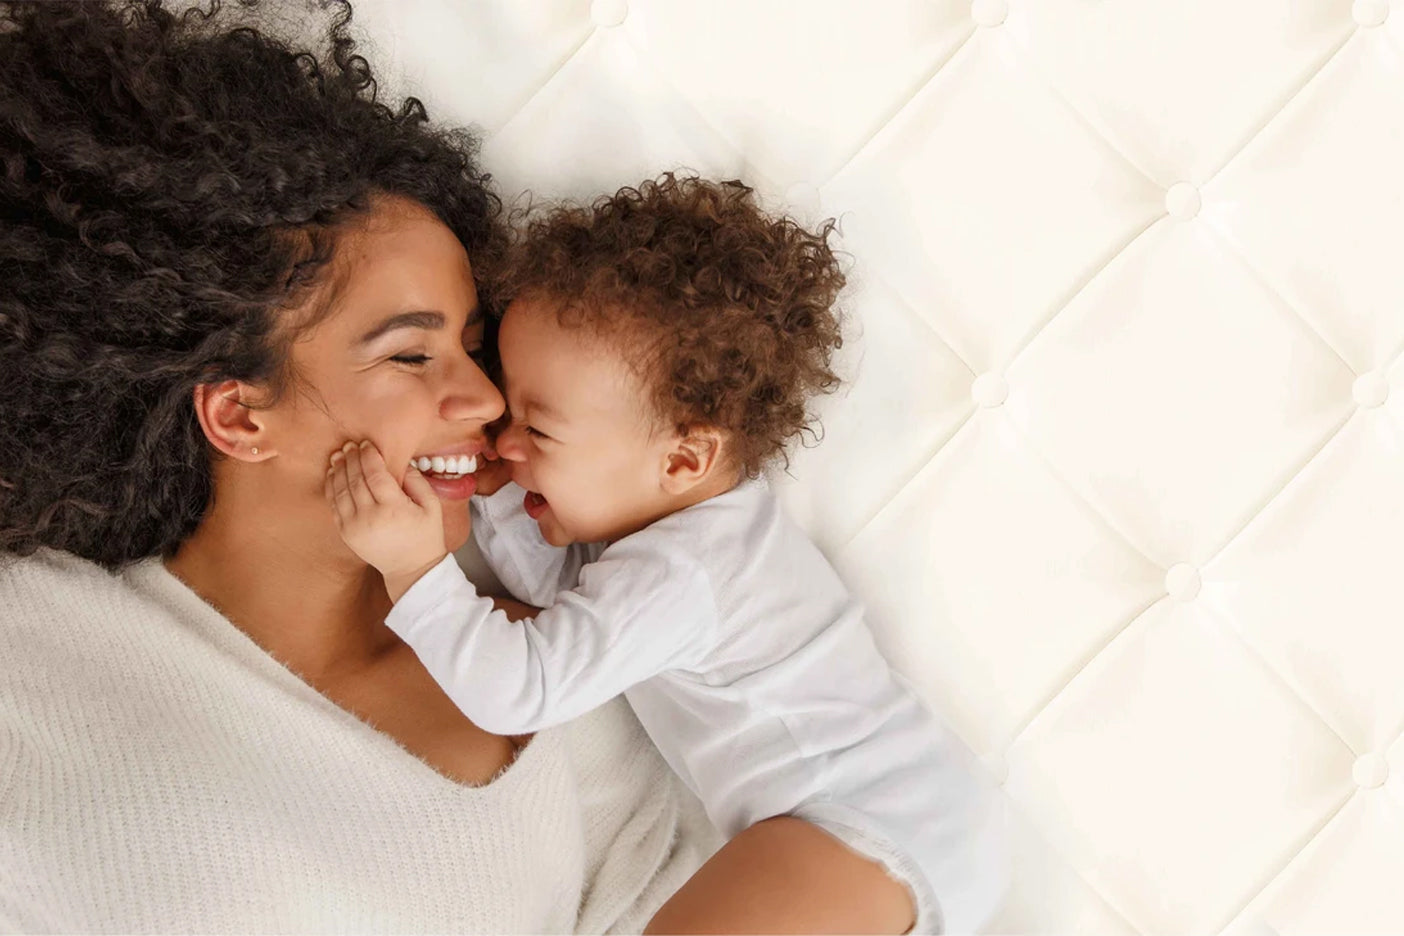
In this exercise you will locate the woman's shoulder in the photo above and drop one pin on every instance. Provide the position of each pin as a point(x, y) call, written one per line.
point(49, 565)
point(51, 593)
point(50, 589)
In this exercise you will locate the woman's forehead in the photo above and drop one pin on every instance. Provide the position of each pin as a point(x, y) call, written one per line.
point(402, 260)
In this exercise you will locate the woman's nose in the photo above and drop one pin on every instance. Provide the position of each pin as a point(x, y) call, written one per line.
point(469, 396)
point(511, 442)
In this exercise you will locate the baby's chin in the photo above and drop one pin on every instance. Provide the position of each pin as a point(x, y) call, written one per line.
point(556, 536)
point(552, 531)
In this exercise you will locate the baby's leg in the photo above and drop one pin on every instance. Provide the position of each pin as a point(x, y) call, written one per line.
point(785, 875)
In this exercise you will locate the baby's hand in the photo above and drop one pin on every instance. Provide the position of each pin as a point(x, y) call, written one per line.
point(401, 533)
point(493, 471)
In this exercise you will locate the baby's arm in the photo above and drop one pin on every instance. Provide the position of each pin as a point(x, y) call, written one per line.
point(784, 875)
point(635, 614)
point(511, 543)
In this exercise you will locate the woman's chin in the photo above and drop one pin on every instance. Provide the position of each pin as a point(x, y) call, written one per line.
point(456, 524)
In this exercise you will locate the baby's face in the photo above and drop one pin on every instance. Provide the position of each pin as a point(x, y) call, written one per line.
point(581, 440)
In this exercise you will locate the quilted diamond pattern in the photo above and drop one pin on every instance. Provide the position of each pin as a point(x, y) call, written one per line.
point(1120, 466)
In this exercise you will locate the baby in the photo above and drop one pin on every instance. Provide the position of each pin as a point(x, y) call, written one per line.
point(658, 351)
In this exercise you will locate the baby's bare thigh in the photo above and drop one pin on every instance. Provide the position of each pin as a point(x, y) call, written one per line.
point(785, 875)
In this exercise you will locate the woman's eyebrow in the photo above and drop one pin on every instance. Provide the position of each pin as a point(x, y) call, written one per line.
point(420, 319)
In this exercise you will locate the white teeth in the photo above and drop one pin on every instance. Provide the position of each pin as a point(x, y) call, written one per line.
point(446, 464)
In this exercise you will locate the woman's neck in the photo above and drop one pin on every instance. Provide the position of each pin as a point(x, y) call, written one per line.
point(281, 574)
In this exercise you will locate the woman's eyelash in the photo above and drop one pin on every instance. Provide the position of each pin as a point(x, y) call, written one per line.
point(477, 354)
point(536, 432)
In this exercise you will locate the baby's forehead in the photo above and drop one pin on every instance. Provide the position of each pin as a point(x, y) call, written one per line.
point(571, 371)
point(595, 336)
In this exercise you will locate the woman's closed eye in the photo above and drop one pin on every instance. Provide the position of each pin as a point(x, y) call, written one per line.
point(478, 355)
point(536, 433)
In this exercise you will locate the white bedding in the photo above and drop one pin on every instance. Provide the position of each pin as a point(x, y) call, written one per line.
point(1121, 469)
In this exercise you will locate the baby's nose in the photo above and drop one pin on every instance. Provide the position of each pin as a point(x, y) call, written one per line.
point(510, 443)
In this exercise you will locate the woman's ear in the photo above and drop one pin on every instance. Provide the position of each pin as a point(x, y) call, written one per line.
point(697, 454)
point(230, 421)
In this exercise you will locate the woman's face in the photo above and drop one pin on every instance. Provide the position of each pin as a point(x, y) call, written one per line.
point(395, 361)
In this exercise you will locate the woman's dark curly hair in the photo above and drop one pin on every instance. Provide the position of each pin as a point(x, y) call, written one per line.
point(170, 184)
point(728, 313)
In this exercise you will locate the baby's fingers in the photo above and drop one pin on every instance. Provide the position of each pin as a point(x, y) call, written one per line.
point(356, 478)
point(378, 478)
point(493, 472)
point(419, 491)
point(339, 491)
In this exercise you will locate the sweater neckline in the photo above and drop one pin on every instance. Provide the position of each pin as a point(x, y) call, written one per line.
point(151, 577)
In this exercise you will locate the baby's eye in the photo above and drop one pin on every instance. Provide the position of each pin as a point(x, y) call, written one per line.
point(536, 433)
point(414, 360)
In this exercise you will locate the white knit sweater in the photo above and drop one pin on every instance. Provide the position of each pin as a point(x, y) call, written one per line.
point(159, 773)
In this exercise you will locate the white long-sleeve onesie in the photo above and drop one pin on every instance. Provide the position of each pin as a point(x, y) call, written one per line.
point(747, 662)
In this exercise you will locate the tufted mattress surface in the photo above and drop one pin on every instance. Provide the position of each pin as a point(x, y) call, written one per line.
point(1120, 467)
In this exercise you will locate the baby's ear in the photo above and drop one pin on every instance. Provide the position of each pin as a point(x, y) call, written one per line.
point(698, 454)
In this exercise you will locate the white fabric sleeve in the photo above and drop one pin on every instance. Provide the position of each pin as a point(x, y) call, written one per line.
point(636, 613)
point(530, 568)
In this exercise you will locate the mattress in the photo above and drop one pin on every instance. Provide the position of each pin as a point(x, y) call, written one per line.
point(1119, 465)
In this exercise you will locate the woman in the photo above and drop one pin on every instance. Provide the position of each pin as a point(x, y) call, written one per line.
point(221, 260)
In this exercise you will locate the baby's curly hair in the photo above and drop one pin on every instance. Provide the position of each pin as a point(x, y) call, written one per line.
point(728, 312)
point(170, 183)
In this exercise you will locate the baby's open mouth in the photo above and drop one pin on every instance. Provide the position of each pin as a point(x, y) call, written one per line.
point(446, 466)
point(535, 504)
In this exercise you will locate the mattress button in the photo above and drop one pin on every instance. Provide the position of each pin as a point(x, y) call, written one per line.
point(1370, 12)
point(1370, 771)
point(1258, 927)
point(989, 13)
point(803, 197)
point(1370, 389)
point(997, 767)
point(990, 390)
point(1182, 582)
point(607, 13)
point(1182, 201)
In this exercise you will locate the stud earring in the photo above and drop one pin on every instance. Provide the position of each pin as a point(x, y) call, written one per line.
point(254, 450)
